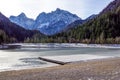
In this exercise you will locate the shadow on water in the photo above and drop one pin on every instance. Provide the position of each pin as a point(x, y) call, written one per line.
point(30, 62)
point(9, 47)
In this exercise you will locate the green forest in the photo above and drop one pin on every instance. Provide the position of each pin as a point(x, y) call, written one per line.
point(4, 38)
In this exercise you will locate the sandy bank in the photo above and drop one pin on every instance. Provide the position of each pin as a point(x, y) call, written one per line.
point(105, 69)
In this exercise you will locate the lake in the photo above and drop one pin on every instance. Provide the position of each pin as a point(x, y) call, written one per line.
point(26, 56)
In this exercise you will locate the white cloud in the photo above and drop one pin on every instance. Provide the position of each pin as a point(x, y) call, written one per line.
point(8, 7)
point(38, 6)
point(32, 8)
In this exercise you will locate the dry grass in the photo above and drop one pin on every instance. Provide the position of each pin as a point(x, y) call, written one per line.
point(106, 69)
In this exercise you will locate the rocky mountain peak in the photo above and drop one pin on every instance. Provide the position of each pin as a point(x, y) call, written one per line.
point(22, 15)
point(47, 23)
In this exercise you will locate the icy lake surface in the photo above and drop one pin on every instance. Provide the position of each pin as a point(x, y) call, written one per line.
point(27, 56)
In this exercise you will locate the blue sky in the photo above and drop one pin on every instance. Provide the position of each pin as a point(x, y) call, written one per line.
point(83, 8)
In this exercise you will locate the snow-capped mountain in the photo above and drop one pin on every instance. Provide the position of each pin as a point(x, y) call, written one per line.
point(23, 21)
point(54, 22)
point(47, 23)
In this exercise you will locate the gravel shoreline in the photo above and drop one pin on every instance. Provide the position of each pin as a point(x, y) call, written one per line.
point(102, 69)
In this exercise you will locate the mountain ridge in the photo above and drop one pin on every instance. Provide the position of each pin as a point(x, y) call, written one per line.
point(22, 20)
point(48, 23)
